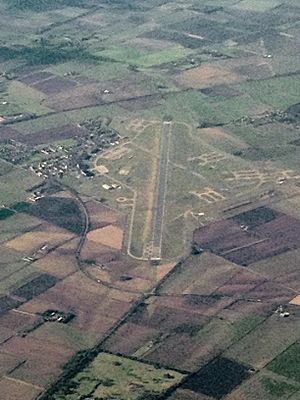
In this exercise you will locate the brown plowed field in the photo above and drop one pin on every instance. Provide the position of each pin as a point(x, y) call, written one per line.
point(7, 303)
point(271, 292)
point(35, 287)
point(88, 300)
point(186, 394)
point(52, 134)
point(246, 307)
point(7, 133)
point(46, 234)
point(7, 363)
point(88, 95)
point(199, 275)
point(56, 264)
point(129, 338)
point(16, 321)
point(100, 215)
point(168, 319)
point(15, 390)
point(54, 85)
point(206, 306)
point(35, 77)
point(173, 351)
point(291, 280)
point(43, 359)
point(284, 230)
point(250, 236)
point(221, 90)
point(141, 104)
point(101, 254)
point(242, 282)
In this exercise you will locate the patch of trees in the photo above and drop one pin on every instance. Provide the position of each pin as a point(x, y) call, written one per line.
point(66, 384)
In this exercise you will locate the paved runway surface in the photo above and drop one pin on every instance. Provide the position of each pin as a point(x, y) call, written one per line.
point(160, 194)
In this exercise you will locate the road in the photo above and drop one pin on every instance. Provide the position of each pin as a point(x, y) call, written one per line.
point(160, 193)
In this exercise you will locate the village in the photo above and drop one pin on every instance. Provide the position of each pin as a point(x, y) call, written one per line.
point(73, 155)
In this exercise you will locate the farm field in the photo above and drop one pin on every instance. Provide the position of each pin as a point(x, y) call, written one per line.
point(149, 200)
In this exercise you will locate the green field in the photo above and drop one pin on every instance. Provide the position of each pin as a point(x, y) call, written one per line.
point(287, 363)
point(110, 376)
point(88, 91)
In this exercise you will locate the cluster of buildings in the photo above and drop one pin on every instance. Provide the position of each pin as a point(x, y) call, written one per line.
point(37, 254)
point(111, 187)
point(56, 162)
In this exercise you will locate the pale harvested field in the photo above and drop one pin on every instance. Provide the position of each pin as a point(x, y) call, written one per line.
point(122, 296)
point(71, 336)
point(107, 217)
point(100, 274)
point(208, 75)
point(43, 359)
point(16, 390)
point(101, 169)
point(186, 394)
point(100, 215)
point(296, 301)
point(116, 154)
point(60, 262)
point(163, 270)
point(5, 334)
point(57, 265)
point(200, 275)
point(32, 241)
point(136, 284)
point(17, 321)
point(96, 251)
point(7, 363)
point(110, 236)
point(209, 134)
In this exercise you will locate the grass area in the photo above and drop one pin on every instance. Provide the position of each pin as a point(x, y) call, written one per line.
point(279, 93)
point(5, 167)
point(15, 224)
point(28, 99)
point(277, 389)
point(192, 106)
point(110, 376)
point(14, 184)
point(64, 213)
point(135, 48)
point(98, 70)
point(263, 386)
point(18, 274)
point(245, 325)
point(185, 144)
point(174, 244)
point(144, 182)
point(256, 5)
point(6, 213)
point(93, 187)
point(269, 339)
point(131, 55)
point(288, 363)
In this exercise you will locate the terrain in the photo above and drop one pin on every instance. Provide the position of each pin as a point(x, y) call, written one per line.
point(149, 200)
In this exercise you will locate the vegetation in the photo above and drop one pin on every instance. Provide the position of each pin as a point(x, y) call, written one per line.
point(287, 363)
point(98, 101)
